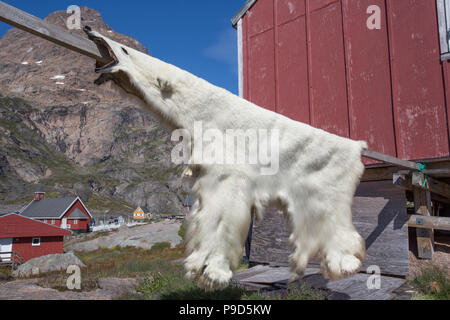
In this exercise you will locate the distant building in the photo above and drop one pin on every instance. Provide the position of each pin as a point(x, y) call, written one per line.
point(188, 203)
point(140, 214)
point(68, 213)
point(29, 238)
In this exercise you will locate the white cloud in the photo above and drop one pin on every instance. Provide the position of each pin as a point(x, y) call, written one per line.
point(224, 49)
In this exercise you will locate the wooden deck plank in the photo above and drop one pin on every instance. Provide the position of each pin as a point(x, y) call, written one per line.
point(379, 214)
point(351, 288)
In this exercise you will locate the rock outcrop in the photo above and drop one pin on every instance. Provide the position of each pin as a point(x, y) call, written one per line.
point(59, 128)
point(47, 264)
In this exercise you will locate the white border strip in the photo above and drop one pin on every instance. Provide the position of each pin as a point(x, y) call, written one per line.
point(240, 58)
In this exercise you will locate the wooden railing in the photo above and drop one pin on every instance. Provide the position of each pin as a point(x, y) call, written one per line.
point(14, 260)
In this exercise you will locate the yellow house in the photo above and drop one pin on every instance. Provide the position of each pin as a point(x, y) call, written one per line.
point(139, 214)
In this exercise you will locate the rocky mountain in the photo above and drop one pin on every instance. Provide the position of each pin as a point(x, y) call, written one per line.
point(58, 128)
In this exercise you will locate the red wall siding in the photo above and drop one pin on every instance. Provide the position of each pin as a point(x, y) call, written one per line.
point(261, 42)
point(327, 67)
point(49, 245)
point(49, 221)
point(316, 61)
point(369, 78)
point(417, 80)
point(446, 70)
point(292, 60)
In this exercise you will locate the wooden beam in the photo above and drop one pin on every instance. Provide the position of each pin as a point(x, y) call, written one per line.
point(420, 180)
point(403, 180)
point(422, 222)
point(425, 237)
point(391, 160)
point(242, 12)
point(40, 28)
point(438, 169)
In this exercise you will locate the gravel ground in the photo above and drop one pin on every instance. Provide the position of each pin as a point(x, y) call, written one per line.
point(440, 259)
point(110, 288)
point(141, 237)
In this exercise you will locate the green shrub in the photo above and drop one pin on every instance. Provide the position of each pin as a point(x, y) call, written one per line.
point(182, 231)
point(153, 282)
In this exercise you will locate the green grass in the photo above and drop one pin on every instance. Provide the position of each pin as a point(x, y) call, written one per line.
point(304, 292)
point(5, 271)
point(161, 246)
point(161, 276)
point(432, 283)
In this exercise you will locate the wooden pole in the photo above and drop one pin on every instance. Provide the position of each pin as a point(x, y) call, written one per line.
point(425, 237)
point(40, 28)
point(391, 160)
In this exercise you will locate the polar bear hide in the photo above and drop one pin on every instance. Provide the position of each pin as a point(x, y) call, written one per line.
point(314, 184)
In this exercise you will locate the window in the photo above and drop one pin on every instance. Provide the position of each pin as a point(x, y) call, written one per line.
point(53, 221)
point(45, 220)
point(443, 8)
point(75, 221)
point(36, 242)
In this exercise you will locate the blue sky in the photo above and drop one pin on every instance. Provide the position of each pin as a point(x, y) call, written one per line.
point(195, 35)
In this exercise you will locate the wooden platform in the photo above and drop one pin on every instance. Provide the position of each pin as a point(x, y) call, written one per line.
point(353, 288)
point(379, 214)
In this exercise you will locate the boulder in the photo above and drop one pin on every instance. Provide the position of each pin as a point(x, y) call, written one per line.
point(47, 264)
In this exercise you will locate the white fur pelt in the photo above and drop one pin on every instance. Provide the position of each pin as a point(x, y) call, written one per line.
point(314, 186)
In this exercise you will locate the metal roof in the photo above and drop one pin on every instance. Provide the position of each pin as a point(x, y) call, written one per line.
point(189, 201)
point(242, 12)
point(40, 189)
point(48, 208)
point(13, 225)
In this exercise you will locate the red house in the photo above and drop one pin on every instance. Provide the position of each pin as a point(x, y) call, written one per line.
point(68, 213)
point(328, 64)
point(29, 238)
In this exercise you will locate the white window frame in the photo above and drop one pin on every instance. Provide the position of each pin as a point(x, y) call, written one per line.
point(75, 222)
point(36, 244)
point(45, 220)
point(443, 13)
point(53, 221)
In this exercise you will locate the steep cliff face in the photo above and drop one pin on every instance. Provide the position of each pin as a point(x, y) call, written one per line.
point(59, 128)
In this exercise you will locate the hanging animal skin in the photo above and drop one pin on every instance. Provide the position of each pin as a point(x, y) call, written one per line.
point(312, 178)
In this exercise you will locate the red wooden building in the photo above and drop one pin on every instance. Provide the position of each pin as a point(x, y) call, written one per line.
point(29, 238)
point(68, 213)
point(373, 70)
point(318, 62)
